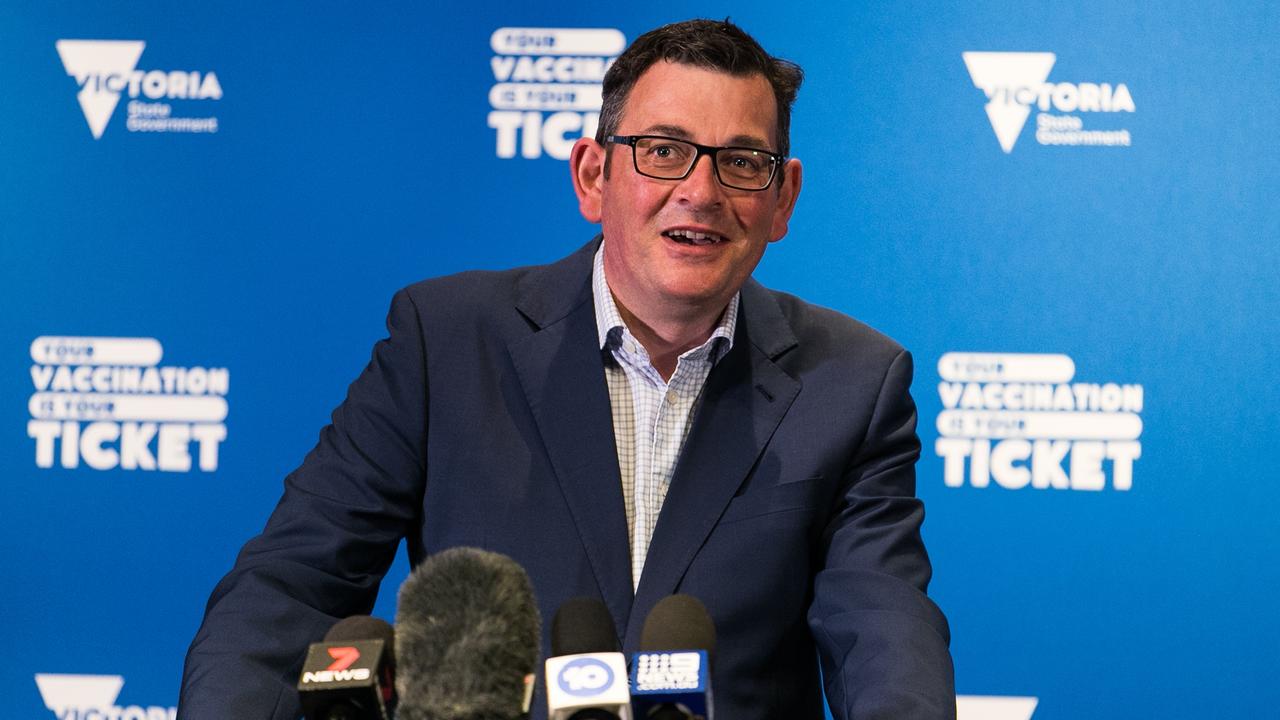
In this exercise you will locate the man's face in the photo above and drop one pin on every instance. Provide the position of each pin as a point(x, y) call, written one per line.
point(653, 268)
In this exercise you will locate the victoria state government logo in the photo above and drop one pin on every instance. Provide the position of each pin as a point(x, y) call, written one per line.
point(1015, 82)
point(93, 697)
point(106, 69)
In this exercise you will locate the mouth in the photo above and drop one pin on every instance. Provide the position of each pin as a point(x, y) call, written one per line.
point(694, 237)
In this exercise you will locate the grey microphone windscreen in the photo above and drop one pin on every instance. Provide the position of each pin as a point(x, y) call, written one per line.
point(467, 638)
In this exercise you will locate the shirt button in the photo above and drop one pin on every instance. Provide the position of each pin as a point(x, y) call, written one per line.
point(672, 397)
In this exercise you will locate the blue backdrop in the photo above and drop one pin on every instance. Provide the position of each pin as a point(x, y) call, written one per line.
point(1066, 211)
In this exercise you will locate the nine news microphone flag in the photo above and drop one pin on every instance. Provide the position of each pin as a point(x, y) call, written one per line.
point(671, 675)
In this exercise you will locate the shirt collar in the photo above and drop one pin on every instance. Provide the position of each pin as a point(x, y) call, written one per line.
point(611, 328)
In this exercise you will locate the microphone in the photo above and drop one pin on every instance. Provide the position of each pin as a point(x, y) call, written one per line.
point(586, 674)
point(671, 675)
point(350, 675)
point(467, 638)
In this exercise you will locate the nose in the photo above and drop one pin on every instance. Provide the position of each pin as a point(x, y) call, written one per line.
point(701, 188)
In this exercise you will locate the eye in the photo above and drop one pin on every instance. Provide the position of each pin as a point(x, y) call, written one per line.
point(663, 153)
point(666, 151)
point(744, 161)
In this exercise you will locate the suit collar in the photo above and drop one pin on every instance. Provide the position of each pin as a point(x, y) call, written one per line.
point(561, 370)
point(746, 396)
point(766, 327)
point(546, 294)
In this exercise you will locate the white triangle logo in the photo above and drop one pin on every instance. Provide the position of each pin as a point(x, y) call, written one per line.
point(1011, 81)
point(101, 68)
point(63, 693)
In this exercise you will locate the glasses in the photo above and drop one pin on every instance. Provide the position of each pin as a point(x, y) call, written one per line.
point(665, 158)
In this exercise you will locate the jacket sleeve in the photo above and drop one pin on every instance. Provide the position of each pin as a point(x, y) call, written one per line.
point(326, 546)
point(883, 643)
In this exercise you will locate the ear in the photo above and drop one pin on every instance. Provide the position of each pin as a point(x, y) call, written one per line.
point(586, 163)
point(788, 192)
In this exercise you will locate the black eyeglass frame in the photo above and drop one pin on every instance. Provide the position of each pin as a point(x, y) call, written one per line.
point(711, 150)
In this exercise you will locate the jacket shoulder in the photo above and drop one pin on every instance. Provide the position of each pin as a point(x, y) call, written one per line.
point(834, 334)
point(473, 291)
point(536, 294)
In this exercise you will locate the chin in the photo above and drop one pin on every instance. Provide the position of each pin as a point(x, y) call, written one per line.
point(694, 295)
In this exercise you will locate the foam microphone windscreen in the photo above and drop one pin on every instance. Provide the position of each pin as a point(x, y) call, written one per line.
point(679, 622)
point(467, 638)
point(361, 627)
point(583, 625)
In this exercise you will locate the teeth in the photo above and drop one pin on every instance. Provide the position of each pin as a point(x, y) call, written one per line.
point(696, 238)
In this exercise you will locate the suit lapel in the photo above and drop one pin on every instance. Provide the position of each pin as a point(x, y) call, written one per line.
point(745, 398)
point(562, 374)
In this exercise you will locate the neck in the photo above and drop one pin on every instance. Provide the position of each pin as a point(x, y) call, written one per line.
point(667, 337)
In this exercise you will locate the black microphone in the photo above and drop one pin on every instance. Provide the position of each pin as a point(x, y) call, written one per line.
point(671, 675)
point(467, 638)
point(583, 625)
point(586, 674)
point(350, 675)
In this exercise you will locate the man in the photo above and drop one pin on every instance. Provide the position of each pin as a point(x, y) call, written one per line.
point(638, 419)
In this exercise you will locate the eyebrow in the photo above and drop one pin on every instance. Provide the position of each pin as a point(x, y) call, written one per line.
point(679, 133)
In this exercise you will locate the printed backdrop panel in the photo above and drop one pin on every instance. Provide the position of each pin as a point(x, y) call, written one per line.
point(1066, 213)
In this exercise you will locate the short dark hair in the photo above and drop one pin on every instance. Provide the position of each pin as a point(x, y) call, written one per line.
point(712, 44)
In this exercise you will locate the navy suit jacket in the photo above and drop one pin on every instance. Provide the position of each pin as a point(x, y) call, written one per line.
point(484, 420)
